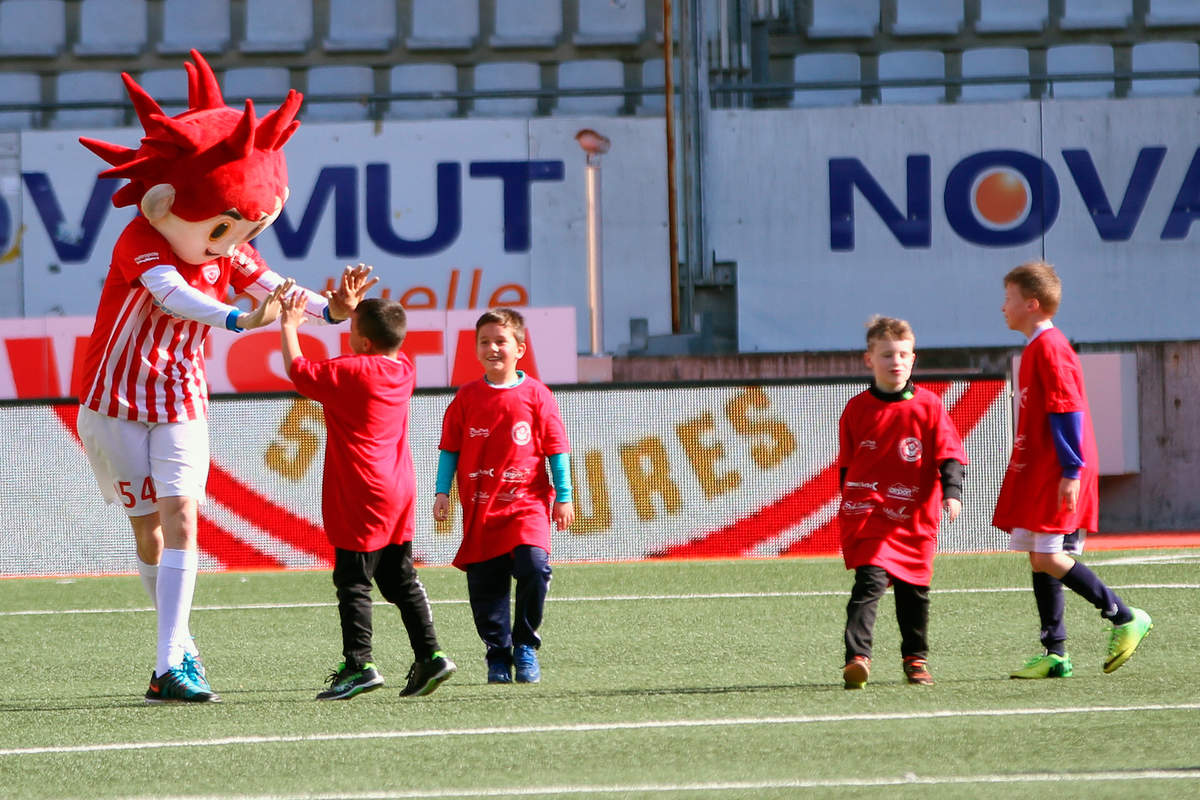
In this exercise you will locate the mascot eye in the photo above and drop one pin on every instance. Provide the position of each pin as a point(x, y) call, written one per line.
point(217, 232)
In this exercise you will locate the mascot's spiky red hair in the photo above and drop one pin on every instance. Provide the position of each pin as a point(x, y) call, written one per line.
point(214, 156)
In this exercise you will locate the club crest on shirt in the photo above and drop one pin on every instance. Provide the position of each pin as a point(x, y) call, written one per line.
point(211, 273)
point(910, 448)
point(521, 433)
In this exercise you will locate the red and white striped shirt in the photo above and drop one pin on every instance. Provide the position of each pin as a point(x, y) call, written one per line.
point(142, 363)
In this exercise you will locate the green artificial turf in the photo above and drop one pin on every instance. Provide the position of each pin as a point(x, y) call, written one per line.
point(665, 679)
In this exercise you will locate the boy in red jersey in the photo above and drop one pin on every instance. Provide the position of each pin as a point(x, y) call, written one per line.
point(206, 182)
point(901, 463)
point(1049, 498)
point(497, 434)
point(368, 490)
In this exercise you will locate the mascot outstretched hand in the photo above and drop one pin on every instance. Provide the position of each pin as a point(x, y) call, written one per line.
point(206, 181)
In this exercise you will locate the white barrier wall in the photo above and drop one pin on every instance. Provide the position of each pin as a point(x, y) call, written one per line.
point(830, 214)
point(712, 471)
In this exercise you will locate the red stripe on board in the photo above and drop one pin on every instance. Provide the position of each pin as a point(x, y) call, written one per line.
point(268, 515)
point(229, 550)
point(974, 404)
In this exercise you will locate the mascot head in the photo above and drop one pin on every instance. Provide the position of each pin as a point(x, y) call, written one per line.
point(210, 170)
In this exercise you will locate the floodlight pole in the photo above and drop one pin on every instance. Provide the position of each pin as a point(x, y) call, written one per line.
point(594, 145)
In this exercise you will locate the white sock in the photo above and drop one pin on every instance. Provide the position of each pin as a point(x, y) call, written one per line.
point(149, 575)
point(175, 586)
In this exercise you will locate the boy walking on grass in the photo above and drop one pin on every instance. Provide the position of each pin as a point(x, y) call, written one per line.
point(368, 491)
point(497, 435)
point(1049, 498)
point(901, 465)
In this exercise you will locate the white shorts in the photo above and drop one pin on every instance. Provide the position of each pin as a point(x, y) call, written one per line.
point(1024, 541)
point(136, 463)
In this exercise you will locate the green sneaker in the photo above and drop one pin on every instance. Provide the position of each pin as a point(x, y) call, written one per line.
point(1047, 665)
point(1124, 639)
point(346, 682)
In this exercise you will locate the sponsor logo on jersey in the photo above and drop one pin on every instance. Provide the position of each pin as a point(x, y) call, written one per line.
point(902, 492)
point(480, 497)
point(872, 485)
point(910, 448)
point(899, 514)
point(1016, 466)
point(867, 444)
point(522, 434)
point(475, 433)
point(490, 473)
point(515, 475)
point(508, 496)
point(144, 257)
point(856, 509)
point(1022, 395)
point(1019, 442)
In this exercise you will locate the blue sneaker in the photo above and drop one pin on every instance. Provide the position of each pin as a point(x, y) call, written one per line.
point(177, 686)
point(194, 668)
point(499, 672)
point(528, 669)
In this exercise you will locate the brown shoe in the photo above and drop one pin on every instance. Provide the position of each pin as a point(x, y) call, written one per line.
point(856, 672)
point(917, 671)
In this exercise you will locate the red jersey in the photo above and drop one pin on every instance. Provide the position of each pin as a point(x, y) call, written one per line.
point(369, 488)
point(502, 437)
point(142, 363)
point(892, 493)
point(1050, 381)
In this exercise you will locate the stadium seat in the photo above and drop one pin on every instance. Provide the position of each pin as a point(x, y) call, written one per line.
point(506, 75)
point(422, 78)
point(168, 86)
point(654, 76)
point(993, 62)
point(188, 24)
point(607, 22)
point(912, 64)
point(811, 67)
point(1012, 16)
point(1095, 14)
point(20, 87)
point(266, 86)
point(89, 85)
point(928, 17)
point(838, 19)
point(277, 26)
point(594, 73)
point(361, 25)
point(527, 23)
point(1167, 13)
point(32, 27)
point(112, 28)
point(1164, 56)
point(353, 82)
point(1079, 58)
point(444, 24)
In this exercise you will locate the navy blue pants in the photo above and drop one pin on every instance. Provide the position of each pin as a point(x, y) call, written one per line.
point(488, 584)
point(393, 572)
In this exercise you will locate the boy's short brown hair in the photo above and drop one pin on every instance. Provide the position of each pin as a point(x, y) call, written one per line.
point(881, 327)
point(384, 323)
point(1037, 280)
point(508, 317)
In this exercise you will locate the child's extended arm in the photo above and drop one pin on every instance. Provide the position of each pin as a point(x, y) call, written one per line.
point(563, 512)
point(291, 316)
point(951, 472)
point(173, 294)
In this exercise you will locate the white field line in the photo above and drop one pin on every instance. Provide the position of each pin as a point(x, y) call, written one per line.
point(595, 727)
point(908, 779)
point(611, 598)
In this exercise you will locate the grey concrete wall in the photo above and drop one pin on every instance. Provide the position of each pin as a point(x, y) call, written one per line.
point(1163, 496)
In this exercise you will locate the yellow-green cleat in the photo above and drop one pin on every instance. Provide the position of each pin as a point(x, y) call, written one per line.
point(1047, 665)
point(1124, 639)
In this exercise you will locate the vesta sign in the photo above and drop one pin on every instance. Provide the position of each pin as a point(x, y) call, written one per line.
point(1005, 198)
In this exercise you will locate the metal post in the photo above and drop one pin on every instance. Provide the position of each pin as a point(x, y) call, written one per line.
point(693, 54)
point(594, 145)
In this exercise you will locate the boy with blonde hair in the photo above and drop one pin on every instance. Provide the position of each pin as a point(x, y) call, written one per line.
point(901, 461)
point(1049, 499)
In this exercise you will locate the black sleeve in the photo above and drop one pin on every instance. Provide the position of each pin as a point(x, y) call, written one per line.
point(952, 472)
point(841, 478)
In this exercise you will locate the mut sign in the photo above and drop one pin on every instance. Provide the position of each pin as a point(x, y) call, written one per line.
point(341, 186)
point(1005, 198)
